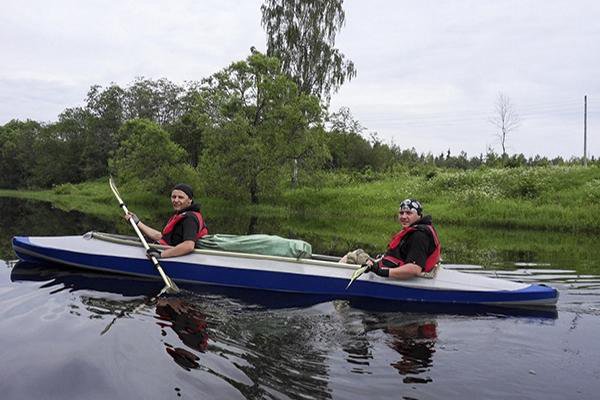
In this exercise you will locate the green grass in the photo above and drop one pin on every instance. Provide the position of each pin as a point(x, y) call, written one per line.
point(542, 198)
point(544, 213)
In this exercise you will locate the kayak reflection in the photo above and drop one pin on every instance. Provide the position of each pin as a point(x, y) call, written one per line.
point(76, 279)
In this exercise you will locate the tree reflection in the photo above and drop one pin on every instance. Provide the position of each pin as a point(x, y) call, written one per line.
point(32, 218)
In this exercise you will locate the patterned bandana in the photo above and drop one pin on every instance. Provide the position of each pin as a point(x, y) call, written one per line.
point(411, 204)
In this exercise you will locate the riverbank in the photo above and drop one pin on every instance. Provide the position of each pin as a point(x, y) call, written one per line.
point(483, 217)
point(565, 198)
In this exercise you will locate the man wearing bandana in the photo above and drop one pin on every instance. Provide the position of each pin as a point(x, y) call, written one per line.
point(185, 226)
point(413, 250)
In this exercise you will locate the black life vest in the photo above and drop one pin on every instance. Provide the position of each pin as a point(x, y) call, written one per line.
point(431, 260)
point(176, 218)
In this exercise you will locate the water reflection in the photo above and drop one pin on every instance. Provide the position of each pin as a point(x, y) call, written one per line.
point(254, 349)
point(411, 335)
point(255, 344)
point(415, 342)
point(190, 326)
point(32, 218)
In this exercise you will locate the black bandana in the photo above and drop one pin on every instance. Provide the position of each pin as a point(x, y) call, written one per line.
point(187, 189)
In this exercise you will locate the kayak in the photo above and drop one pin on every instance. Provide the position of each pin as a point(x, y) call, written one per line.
point(317, 275)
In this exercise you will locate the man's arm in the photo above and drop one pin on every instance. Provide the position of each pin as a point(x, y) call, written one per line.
point(415, 258)
point(406, 271)
point(149, 232)
point(181, 249)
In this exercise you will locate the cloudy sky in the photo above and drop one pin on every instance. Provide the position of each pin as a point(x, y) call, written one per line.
point(429, 72)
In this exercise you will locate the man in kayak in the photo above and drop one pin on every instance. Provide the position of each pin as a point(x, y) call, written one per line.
point(412, 251)
point(184, 227)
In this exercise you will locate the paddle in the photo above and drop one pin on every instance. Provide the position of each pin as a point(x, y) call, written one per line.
point(170, 285)
point(358, 272)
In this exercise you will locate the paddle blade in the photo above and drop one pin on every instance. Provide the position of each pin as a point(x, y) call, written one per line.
point(358, 272)
point(170, 287)
point(114, 189)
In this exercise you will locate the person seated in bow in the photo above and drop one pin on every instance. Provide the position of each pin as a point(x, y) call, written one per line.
point(182, 230)
point(411, 252)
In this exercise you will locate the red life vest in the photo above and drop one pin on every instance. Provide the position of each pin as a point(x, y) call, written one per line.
point(174, 220)
point(433, 258)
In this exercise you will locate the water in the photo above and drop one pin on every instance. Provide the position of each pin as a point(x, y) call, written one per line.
point(74, 334)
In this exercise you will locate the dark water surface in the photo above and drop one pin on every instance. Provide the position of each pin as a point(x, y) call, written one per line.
point(69, 334)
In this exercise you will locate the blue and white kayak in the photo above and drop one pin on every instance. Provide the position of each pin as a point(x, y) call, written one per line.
point(316, 275)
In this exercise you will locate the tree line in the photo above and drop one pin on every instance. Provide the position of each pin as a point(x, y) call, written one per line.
point(241, 132)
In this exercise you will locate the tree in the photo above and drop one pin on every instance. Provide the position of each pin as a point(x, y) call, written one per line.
point(347, 147)
point(59, 158)
point(301, 34)
point(16, 155)
point(148, 157)
point(158, 101)
point(106, 111)
point(260, 125)
point(505, 118)
point(188, 130)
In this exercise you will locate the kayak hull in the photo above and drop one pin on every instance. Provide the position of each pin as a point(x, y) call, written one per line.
point(102, 252)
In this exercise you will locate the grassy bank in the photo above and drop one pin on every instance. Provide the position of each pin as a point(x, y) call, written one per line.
point(566, 199)
point(483, 216)
point(543, 198)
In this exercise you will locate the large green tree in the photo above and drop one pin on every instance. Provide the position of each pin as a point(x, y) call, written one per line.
point(301, 33)
point(149, 158)
point(261, 127)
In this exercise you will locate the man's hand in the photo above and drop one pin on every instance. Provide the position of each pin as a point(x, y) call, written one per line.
point(153, 253)
point(376, 269)
point(132, 216)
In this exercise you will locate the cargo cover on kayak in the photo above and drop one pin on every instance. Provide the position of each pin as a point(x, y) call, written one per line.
point(256, 244)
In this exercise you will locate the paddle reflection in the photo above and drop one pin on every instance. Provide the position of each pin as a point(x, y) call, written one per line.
point(189, 324)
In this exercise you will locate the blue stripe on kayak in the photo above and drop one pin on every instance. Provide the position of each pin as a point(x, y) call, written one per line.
point(279, 281)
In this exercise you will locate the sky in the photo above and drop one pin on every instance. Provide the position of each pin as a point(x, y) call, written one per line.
point(429, 72)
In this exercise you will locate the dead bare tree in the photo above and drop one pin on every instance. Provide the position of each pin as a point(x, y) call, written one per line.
point(505, 118)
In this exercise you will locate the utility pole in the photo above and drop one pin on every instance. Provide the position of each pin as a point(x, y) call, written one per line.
point(585, 131)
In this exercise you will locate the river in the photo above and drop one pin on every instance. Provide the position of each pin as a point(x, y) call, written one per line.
point(81, 335)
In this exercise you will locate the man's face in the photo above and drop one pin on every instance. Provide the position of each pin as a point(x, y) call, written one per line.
point(407, 217)
point(180, 200)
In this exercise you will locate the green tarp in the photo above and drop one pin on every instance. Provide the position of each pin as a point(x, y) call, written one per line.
point(257, 244)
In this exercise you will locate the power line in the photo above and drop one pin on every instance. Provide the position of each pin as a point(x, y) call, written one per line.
point(435, 119)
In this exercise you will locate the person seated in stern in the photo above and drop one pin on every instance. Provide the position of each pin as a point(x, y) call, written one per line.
point(411, 252)
point(182, 230)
